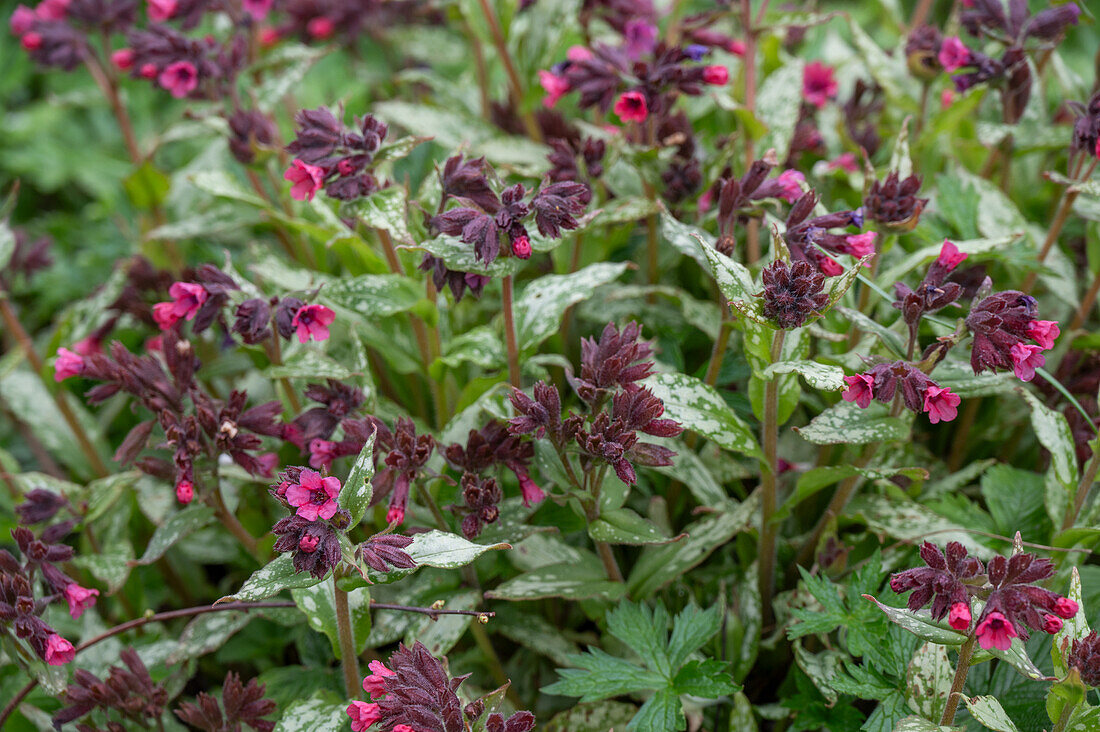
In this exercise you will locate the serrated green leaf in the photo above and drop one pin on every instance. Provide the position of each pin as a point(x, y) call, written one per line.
point(691, 629)
point(709, 679)
point(644, 631)
point(599, 675)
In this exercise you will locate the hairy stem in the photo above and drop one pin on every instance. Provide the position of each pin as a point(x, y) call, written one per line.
point(769, 483)
point(1087, 302)
point(349, 659)
point(718, 353)
point(234, 526)
point(495, 30)
point(1065, 208)
point(752, 251)
point(510, 332)
point(961, 670)
point(275, 355)
point(1083, 488)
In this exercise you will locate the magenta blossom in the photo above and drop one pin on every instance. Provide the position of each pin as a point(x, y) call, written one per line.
point(1051, 624)
point(947, 98)
point(322, 453)
point(67, 364)
point(576, 54)
point(79, 598)
point(1065, 607)
point(818, 84)
point(314, 496)
point(521, 247)
point(790, 185)
point(58, 650)
point(180, 78)
point(162, 10)
point(950, 257)
point(941, 404)
point(846, 162)
point(1025, 359)
point(22, 20)
point(320, 28)
point(396, 514)
point(185, 491)
point(859, 390)
point(953, 54)
point(52, 9)
point(88, 346)
point(530, 489)
point(258, 9)
point(959, 616)
point(187, 299)
point(631, 107)
point(556, 87)
point(375, 684)
point(716, 75)
point(363, 715)
point(829, 266)
point(1044, 332)
point(996, 632)
point(860, 245)
point(307, 180)
point(312, 321)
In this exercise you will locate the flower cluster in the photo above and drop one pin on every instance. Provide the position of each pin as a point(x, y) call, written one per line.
point(414, 693)
point(312, 533)
point(793, 294)
point(129, 692)
point(243, 704)
point(1001, 324)
point(894, 203)
point(933, 293)
point(1084, 655)
point(1008, 586)
point(809, 238)
point(918, 392)
point(334, 157)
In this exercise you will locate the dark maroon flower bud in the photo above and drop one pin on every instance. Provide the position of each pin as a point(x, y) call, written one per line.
point(466, 179)
point(894, 203)
point(794, 294)
point(480, 497)
point(249, 131)
point(1050, 23)
point(244, 704)
point(944, 582)
point(922, 48)
point(324, 545)
point(557, 205)
point(617, 359)
point(128, 691)
point(39, 505)
point(318, 134)
point(477, 229)
point(134, 443)
point(384, 552)
point(253, 320)
point(1084, 655)
point(285, 311)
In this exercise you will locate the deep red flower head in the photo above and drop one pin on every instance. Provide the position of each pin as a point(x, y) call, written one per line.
point(631, 107)
point(818, 84)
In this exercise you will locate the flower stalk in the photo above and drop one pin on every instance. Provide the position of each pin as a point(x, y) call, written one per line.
point(962, 668)
point(495, 30)
point(508, 306)
point(769, 483)
point(349, 659)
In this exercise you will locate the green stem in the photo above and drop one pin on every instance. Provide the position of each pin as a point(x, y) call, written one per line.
point(966, 651)
point(720, 344)
point(533, 130)
point(349, 659)
point(1083, 488)
point(510, 332)
point(1063, 718)
point(769, 483)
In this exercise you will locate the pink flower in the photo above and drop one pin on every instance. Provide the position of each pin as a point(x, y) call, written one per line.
point(320, 28)
point(79, 598)
point(258, 9)
point(312, 321)
point(58, 650)
point(67, 364)
point(1065, 607)
point(790, 183)
point(267, 462)
point(947, 98)
point(268, 37)
point(148, 71)
point(88, 346)
point(847, 162)
point(403, 728)
point(293, 434)
point(941, 404)
point(345, 167)
point(363, 715)
point(716, 75)
point(577, 54)
point(308, 543)
point(959, 616)
point(830, 267)
point(521, 247)
point(860, 245)
point(31, 41)
point(162, 10)
point(180, 78)
point(556, 87)
point(185, 491)
point(706, 200)
point(321, 453)
point(156, 343)
point(22, 20)
point(818, 84)
point(737, 48)
point(631, 107)
point(314, 496)
point(859, 390)
point(996, 632)
point(1051, 624)
point(953, 54)
point(307, 180)
point(1025, 359)
point(52, 9)
point(1044, 332)
point(950, 256)
point(187, 300)
point(530, 489)
point(395, 515)
point(375, 684)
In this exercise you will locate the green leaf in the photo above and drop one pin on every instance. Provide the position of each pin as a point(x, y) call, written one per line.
point(207, 633)
point(384, 209)
point(271, 579)
point(179, 525)
point(111, 568)
point(777, 105)
point(592, 717)
point(309, 363)
point(398, 149)
point(691, 241)
point(375, 296)
point(568, 581)
point(599, 675)
point(921, 625)
point(690, 631)
point(813, 480)
point(987, 710)
point(846, 423)
point(709, 679)
point(701, 409)
point(644, 631)
point(147, 187)
point(736, 283)
point(539, 309)
point(1084, 719)
point(7, 244)
point(317, 604)
point(313, 715)
point(281, 70)
point(920, 724)
point(1075, 628)
point(818, 375)
point(444, 550)
point(357, 491)
point(928, 680)
point(1053, 432)
point(661, 713)
point(624, 526)
point(220, 184)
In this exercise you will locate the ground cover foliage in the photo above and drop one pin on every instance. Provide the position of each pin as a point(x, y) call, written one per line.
point(445, 365)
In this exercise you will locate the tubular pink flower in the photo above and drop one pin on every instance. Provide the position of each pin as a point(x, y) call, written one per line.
point(790, 183)
point(950, 256)
point(953, 54)
point(736, 47)
point(307, 180)
point(308, 543)
point(185, 491)
point(1044, 332)
point(716, 75)
point(1051, 624)
point(375, 684)
point(31, 41)
point(79, 598)
point(521, 247)
point(395, 515)
point(556, 87)
point(258, 9)
point(1065, 607)
point(959, 616)
point(947, 98)
point(320, 28)
point(363, 715)
point(995, 632)
point(631, 107)
point(577, 54)
point(860, 245)
point(846, 161)
point(88, 346)
point(818, 84)
point(403, 728)
point(22, 20)
point(530, 489)
point(148, 71)
point(941, 404)
point(58, 650)
point(1025, 359)
point(67, 364)
point(859, 390)
point(312, 321)
point(830, 267)
point(162, 10)
point(52, 9)
point(180, 78)
point(314, 496)
point(321, 453)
